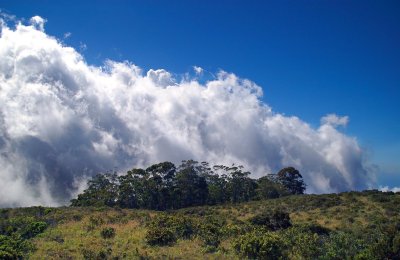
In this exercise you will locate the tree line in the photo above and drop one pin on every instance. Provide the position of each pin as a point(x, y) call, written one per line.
point(164, 186)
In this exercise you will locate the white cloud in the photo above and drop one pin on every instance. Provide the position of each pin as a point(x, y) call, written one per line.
point(387, 189)
point(62, 120)
point(198, 70)
point(335, 120)
point(67, 35)
point(38, 22)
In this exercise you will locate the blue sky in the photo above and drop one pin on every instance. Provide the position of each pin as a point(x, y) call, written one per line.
point(310, 57)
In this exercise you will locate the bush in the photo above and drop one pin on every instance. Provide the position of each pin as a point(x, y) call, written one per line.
point(32, 229)
point(260, 245)
point(107, 232)
point(210, 232)
point(94, 222)
point(273, 221)
point(340, 245)
point(102, 254)
point(303, 242)
point(13, 247)
point(160, 236)
point(166, 229)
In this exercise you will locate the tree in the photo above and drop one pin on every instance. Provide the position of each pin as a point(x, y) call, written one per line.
point(102, 191)
point(292, 180)
point(269, 189)
point(240, 186)
point(190, 189)
point(217, 189)
point(161, 177)
point(130, 189)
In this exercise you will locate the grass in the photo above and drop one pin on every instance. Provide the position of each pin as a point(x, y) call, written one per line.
point(75, 233)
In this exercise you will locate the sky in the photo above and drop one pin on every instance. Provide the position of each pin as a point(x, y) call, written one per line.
point(310, 59)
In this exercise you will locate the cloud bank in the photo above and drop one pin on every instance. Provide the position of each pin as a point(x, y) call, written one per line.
point(62, 120)
point(387, 189)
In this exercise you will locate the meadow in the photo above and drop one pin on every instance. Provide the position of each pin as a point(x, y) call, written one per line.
point(350, 225)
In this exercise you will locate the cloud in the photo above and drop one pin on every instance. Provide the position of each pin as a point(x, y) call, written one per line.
point(387, 189)
point(198, 70)
point(62, 120)
point(335, 120)
point(67, 35)
point(38, 22)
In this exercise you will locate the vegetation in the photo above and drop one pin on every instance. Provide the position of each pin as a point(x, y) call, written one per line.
point(253, 223)
point(163, 186)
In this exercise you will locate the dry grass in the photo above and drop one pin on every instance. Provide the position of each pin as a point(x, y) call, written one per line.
point(76, 232)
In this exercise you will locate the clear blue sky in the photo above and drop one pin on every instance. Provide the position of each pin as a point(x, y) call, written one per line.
point(311, 57)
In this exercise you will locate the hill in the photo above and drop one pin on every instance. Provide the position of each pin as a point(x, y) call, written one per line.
point(354, 225)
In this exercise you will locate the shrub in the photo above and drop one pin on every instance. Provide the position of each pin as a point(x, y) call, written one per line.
point(107, 232)
point(210, 232)
point(182, 226)
point(32, 229)
point(343, 245)
point(303, 242)
point(260, 245)
point(160, 236)
point(102, 254)
point(273, 221)
point(94, 222)
point(13, 247)
point(166, 229)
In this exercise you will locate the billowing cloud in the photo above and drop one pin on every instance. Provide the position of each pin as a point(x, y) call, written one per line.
point(62, 120)
point(38, 22)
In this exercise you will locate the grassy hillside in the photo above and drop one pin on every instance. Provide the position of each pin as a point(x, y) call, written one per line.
point(360, 225)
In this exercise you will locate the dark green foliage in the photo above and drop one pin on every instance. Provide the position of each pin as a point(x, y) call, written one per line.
point(190, 187)
point(160, 231)
point(16, 232)
point(350, 245)
point(14, 247)
point(269, 189)
point(166, 229)
point(107, 232)
point(304, 242)
point(26, 227)
point(92, 255)
point(217, 189)
point(273, 221)
point(210, 232)
point(395, 247)
point(101, 191)
point(292, 180)
point(260, 245)
point(239, 187)
point(162, 186)
point(32, 229)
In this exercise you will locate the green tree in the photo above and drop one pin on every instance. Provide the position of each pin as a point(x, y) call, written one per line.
point(292, 180)
point(217, 189)
point(102, 191)
point(240, 186)
point(269, 189)
point(190, 189)
point(130, 189)
point(161, 178)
